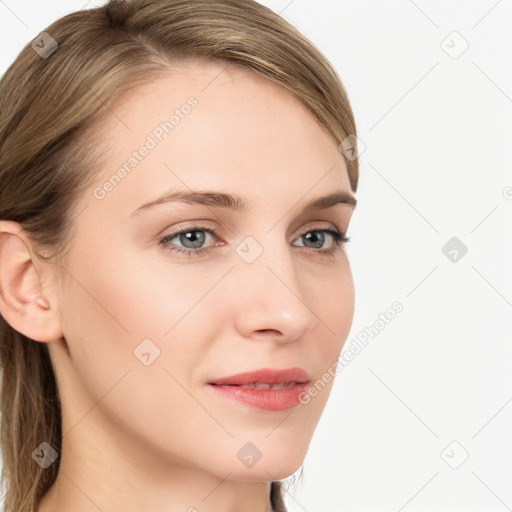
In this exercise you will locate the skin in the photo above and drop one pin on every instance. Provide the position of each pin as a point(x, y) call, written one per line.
point(155, 437)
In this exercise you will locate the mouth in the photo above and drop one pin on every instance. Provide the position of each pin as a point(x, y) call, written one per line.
point(265, 389)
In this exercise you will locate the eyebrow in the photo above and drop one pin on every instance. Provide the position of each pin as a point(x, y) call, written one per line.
point(236, 203)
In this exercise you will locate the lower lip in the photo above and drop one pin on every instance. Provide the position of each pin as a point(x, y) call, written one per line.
point(266, 399)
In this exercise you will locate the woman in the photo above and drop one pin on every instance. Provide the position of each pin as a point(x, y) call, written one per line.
point(177, 183)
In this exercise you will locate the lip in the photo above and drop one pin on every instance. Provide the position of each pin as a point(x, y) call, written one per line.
point(265, 375)
point(265, 399)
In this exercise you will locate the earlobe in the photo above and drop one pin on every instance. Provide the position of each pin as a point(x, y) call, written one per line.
point(22, 302)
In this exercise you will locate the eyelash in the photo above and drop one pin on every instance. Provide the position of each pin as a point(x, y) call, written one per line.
point(339, 240)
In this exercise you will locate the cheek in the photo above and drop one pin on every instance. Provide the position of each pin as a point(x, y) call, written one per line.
point(106, 318)
point(108, 313)
point(332, 301)
point(134, 311)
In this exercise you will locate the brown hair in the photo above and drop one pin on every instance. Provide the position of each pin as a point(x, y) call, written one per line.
point(49, 155)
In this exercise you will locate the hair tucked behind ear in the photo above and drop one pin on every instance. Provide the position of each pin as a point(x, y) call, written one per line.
point(49, 155)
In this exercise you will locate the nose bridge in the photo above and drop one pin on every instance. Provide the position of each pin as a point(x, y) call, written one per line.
point(271, 296)
point(265, 257)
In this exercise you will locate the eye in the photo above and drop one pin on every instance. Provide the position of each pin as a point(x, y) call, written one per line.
point(317, 237)
point(193, 238)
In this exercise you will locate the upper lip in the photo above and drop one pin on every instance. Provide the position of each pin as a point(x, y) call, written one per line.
point(266, 376)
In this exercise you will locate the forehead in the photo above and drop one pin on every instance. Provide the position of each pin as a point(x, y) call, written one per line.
point(228, 96)
point(215, 125)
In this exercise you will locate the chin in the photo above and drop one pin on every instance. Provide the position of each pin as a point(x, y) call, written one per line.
point(274, 464)
point(265, 472)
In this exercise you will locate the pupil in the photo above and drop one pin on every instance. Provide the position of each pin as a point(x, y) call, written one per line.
point(318, 235)
point(195, 237)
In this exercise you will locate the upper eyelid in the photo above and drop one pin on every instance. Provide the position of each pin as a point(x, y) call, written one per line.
point(214, 231)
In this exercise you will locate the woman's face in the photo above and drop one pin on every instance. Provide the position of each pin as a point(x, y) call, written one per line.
point(149, 327)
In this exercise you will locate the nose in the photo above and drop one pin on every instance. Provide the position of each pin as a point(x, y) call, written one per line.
point(272, 300)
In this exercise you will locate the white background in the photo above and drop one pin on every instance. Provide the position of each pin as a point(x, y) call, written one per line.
point(437, 165)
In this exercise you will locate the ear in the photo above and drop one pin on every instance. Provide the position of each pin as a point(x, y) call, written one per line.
point(22, 302)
